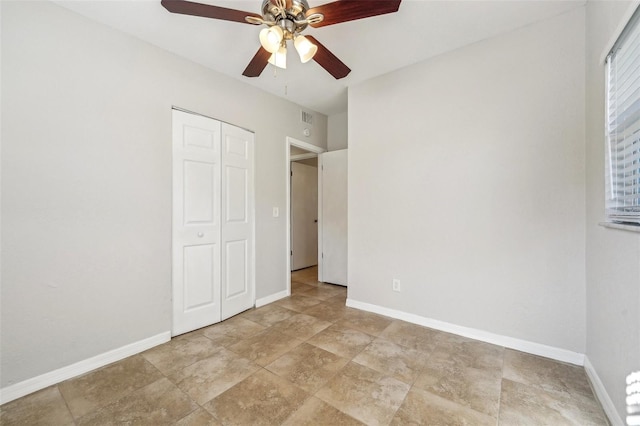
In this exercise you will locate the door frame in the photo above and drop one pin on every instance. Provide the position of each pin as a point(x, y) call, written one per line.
point(315, 150)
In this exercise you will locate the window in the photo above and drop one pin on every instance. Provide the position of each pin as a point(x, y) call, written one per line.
point(623, 126)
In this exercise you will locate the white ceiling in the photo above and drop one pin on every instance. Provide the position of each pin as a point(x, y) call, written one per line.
point(371, 47)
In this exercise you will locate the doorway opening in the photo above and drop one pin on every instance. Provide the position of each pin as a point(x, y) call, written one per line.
point(304, 212)
point(304, 225)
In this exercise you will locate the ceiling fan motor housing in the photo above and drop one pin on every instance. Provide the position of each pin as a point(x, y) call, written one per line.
point(291, 20)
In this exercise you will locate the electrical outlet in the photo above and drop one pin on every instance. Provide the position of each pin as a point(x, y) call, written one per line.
point(396, 285)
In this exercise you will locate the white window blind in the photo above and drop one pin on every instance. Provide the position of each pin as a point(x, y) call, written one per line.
point(623, 126)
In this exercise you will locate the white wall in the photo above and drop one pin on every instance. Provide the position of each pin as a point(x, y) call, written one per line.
point(337, 130)
point(466, 182)
point(86, 184)
point(613, 256)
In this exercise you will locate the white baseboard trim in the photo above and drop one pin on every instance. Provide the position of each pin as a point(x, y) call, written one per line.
point(272, 298)
point(34, 384)
point(602, 394)
point(472, 333)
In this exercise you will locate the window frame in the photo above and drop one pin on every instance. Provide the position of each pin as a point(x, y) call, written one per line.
point(622, 126)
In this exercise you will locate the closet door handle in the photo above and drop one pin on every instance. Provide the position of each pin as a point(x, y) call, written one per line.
point(200, 234)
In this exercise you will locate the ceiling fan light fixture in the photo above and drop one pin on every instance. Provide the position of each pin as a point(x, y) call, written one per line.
point(286, 20)
point(271, 38)
point(279, 58)
point(305, 48)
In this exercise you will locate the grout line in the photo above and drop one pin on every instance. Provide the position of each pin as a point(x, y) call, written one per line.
point(66, 404)
point(504, 353)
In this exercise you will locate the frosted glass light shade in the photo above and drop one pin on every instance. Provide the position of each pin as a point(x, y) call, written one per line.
point(279, 58)
point(270, 38)
point(305, 48)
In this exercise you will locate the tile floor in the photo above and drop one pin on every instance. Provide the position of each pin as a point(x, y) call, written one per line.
point(309, 360)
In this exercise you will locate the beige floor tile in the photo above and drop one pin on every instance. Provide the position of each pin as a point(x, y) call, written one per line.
point(200, 417)
point(232, 330)
point(340, 298)
point(315, 412)
point(307, 366)
point(475, 388)
point(298, 302)
point(257, 368)
point(411, 336)
point(268, 315)
point(312, 281)
point(265, 347)
point(208, 378)
point(365, 394)
point(547, 374)
point(160, 403)
point(261, 399)
point(443, 338)
point(45, 407)
point(340, 289)
point(306, 275)
point(472, 353)
point(468, 373)
point(423, 408)
point(180, 352)
point(366, 322)
point(397, 361)
point(331, 312)
point(297, 287)
point(523, 404)
point(341, 341)
point(108, 384)
point(301, 326)
point(324, 291)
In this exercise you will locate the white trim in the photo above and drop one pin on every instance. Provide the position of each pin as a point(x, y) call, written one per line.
point(623, 226)
point(253, 224)
point(602, 394)
point(304, 145)
point(272, 298)
point(299, 157)
point(320, 219)
point(472, 333)
point(188, 111)
point(42, 381)
point(316, 150)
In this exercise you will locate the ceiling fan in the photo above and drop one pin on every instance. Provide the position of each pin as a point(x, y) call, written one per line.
point(285, 20)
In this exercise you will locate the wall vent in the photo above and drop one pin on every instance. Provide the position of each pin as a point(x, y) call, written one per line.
point(306, 117)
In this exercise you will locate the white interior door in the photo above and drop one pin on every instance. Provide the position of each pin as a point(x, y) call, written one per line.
point(304, 216)
point(333, 173)
point(196, 222)
point(237, 220)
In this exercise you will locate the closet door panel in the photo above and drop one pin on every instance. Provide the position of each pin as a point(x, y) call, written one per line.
point(196, 227)
point(237, 220)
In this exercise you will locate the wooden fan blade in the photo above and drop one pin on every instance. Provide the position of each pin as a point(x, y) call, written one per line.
point(206, 10)
point(328, 60)
point(350, 10)
point(257, 64)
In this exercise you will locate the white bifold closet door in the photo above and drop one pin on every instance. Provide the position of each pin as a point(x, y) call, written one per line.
point(213, 224)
